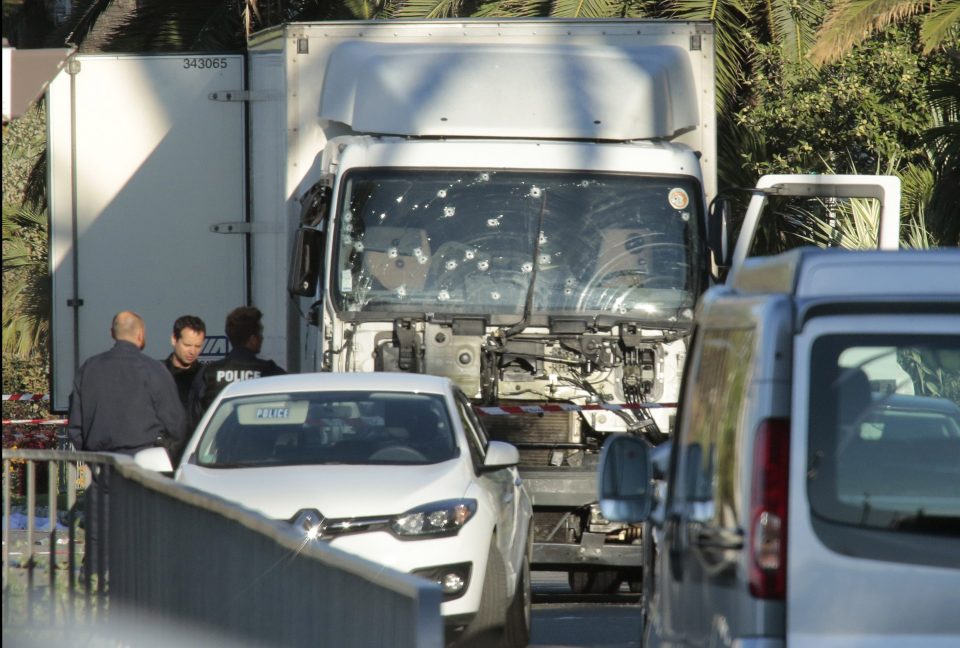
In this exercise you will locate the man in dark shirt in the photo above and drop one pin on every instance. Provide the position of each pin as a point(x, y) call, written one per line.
point(245, 331)
point(189, 332)
point(122, 401)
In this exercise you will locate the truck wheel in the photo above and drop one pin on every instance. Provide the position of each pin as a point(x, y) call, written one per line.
point(633, 578)
point(519, 612)
point(584, 581)
point(487, 627)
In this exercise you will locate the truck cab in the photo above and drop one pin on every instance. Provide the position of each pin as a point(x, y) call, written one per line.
point(512, 222)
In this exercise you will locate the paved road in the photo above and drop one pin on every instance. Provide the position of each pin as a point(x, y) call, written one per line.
point(562, 619)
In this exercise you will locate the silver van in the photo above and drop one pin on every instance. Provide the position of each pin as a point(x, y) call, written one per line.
point(812, 492)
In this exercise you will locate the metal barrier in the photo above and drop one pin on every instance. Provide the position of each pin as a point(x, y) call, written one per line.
point(180, 561)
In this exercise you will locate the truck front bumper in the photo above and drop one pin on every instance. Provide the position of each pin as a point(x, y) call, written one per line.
point(590, 553)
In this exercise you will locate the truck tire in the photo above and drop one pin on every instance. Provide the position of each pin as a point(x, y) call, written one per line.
point(633, 578)
point(487, 629)
point(582, 581)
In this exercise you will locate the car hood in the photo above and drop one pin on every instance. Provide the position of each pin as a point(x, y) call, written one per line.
point(336, 491)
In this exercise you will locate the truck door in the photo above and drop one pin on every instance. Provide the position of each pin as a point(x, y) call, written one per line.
point(143, 162)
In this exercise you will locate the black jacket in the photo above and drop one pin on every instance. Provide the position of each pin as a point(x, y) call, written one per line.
point(125, 401)
point(183, 378)
point(239, 364)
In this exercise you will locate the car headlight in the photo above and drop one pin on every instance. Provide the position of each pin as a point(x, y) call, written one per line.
point(434, 519)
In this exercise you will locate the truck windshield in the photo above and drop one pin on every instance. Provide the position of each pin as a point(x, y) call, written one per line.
point(471, 241)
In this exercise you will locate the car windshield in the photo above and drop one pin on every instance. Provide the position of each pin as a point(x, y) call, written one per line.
point(885, 432)
point(327, 428)
point(471, 241)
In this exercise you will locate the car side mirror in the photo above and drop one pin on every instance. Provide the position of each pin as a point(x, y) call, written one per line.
point(306, 262)
point(155, 459)
point(501, 455)
point(625, 479)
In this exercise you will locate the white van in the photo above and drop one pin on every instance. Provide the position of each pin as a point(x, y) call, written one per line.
point(812, 495)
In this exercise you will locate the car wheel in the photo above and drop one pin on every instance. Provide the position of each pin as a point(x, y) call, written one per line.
point(520, 610)
point(584, 581)
point(486, 630)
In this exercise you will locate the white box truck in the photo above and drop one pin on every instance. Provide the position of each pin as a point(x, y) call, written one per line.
point(520, 206)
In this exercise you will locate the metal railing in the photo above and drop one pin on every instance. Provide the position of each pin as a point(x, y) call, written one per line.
point(176, 560)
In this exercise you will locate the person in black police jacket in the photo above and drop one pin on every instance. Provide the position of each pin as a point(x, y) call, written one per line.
point(245, 331)
point(123, 401)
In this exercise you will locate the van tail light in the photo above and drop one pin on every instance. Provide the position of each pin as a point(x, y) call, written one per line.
point(768, 510)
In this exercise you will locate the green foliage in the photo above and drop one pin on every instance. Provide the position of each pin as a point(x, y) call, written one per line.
point(868, 107)
point(26, 292)
point(26, 284)
point(24, 147)
point(944, 141)
point(731, 20)
point(934, 373)
point(850, 22)
point(586, 8)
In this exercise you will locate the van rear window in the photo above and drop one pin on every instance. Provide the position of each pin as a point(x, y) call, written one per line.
point(884, 437)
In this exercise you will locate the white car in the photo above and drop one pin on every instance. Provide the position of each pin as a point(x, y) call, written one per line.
point(392, 467)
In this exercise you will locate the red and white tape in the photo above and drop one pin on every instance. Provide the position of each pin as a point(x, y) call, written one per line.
point(567, 407)
point(26, 397)
point(34, 421)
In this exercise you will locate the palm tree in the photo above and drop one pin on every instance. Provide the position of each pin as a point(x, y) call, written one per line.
point(26, 281)
point(850, 22)
point(944, 141)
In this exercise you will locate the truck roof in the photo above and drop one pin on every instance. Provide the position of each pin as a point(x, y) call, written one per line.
point(811, 273)
point(612, 80)
point(511, 90)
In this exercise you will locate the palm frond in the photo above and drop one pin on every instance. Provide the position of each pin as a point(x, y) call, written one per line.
point(730, 19)
point(916, 189)
point(852, 224)
point(944, 137)
point(915, 234)
point(179, 25)
point(26, 281)
point(850, 22)
point(793, 27)
point(585, 9)
point(428, 9)
point(513, 9)
point(942, 23)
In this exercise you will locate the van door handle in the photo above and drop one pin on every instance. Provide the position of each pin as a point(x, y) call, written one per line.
point(718, 539)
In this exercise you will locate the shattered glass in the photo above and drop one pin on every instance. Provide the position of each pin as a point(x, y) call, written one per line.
point(467, 241)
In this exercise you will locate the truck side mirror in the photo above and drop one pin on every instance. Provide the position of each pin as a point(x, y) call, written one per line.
point(314, 204)
point(306, 262)
point(718, 235)
point(625, 479)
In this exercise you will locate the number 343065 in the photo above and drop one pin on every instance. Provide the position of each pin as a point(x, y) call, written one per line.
point(204, 63)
